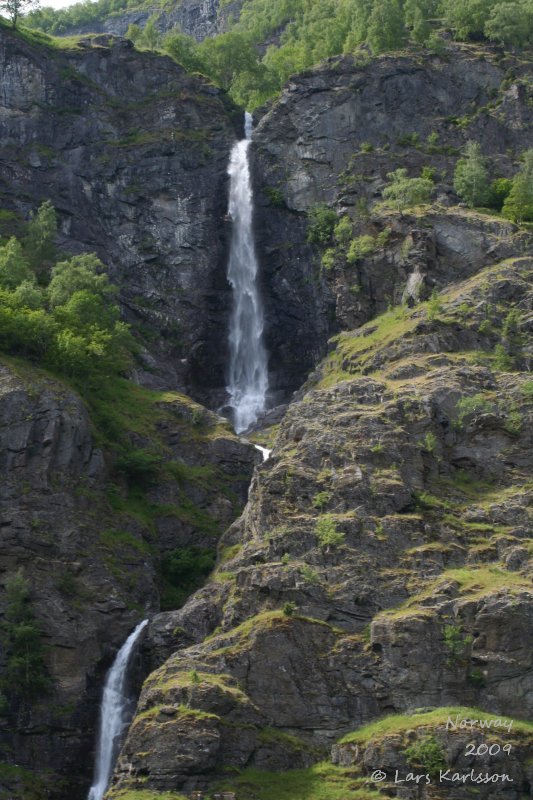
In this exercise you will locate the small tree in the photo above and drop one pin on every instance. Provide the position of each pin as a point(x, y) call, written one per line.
point(25, 673)
point(326, 532)
point(15, 8)
point(40, 236)
point(150, 36)
point(14, 268)
point(134, 32)
point(518, 204)
point(403, 192)
point(470, 179)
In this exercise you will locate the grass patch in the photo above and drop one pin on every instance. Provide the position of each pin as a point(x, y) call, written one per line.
point(473, 583)
point(401, 723)
point(322, 781)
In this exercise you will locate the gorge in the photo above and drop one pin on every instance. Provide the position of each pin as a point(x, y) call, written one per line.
point(319, 615)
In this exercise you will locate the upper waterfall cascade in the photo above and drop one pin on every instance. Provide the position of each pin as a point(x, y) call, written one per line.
point(115, 714)
point(248, 374)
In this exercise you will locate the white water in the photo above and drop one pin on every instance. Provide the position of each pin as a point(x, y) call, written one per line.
point(114, 716)
point(265, 452)
point(248, 377)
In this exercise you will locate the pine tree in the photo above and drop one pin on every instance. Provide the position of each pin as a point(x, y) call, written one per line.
point(518, 204)
point(470, 179)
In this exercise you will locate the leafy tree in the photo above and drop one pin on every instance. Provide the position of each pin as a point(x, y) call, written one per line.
point(467, 17)
point(386, 30)
point(226, 56)
point(403, 191)
point(470, 179)
point(79, 273)
point(499, 191)
point(15, 8)
point(14, 267)
point(134, 32)
point(322, 221)
point(511, 24)
point(518, 204)
point(25, 673)
point(326, 532)
point(184, 50)
point(40, 236)
point(151, 37)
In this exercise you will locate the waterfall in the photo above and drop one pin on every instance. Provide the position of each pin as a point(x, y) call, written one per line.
point(248, 377)
point(114, 715)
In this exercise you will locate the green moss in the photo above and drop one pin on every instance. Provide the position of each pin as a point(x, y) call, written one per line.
point(401, 723)
point(143, 794)
point(472, 583)
point(320, 782)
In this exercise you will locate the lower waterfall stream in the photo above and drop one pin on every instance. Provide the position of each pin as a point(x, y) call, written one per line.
point(248, 375)
point(114, 715)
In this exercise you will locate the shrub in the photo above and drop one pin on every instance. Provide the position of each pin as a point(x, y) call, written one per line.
point(343, 231)
point(183, 570)
point(327, 534)
point(403, 192)
point(275, 196)
point(468, 406)
point(321, 499)
point(25, 675)
point(322, 221)
point(360, 247)
point(434, 305)
point(289, 608)
point(427, 754)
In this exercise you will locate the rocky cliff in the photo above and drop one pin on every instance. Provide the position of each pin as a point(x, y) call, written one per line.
point(381, 567)
point(132, 152)
point(90, 541)
point(332, 137)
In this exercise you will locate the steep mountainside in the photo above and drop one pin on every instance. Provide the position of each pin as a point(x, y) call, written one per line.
point(378, 581)
point(132, 152)
point(382, 562)
point(332, 137)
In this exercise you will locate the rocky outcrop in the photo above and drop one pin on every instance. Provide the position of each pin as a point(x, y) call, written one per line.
point(381, 562)
point(197, 18)
point(132, 152)
point(90, 547)
point(332, 137)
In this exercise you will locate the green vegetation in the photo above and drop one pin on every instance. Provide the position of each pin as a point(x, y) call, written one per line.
point(403, 192)
point(322, 781)
point(322, 221)
point(456, 643)
point(62, 316)
point(426, 754)
point(183, 570)
point(25, 676)
point(143, 794)
point(327, 534)
point(471, 181)
point(518, 204)
point(401, 723)
point(471, 406)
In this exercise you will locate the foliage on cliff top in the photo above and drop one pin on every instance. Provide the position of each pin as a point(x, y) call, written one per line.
point(304, 32)
point(401, 723)
point(322, 781)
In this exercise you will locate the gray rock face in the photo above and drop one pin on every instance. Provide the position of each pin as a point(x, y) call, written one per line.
point(92, 561)
point(332, 138)
point(197, 18)
point(132, 152)
point(379, 565)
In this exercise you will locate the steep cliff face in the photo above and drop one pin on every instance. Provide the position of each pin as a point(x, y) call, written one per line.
point(382, 563)
point(90, 545)
point(332, 137)
point(132, 152)
point(197, 18)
